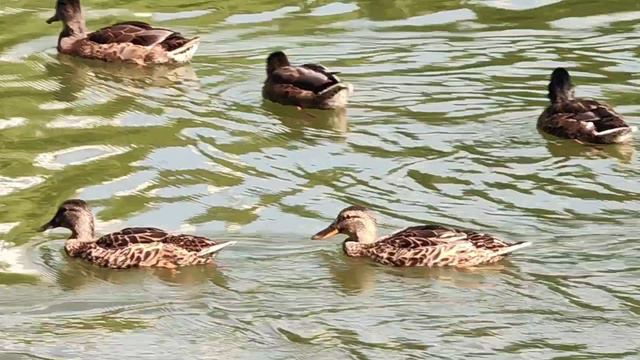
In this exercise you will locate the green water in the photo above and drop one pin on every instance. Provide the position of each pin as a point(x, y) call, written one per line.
point(441, 128)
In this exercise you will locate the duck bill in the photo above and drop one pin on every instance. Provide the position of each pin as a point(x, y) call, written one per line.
point(50, 225)
point(330, 231)
point(45, 227)
point(54, 18)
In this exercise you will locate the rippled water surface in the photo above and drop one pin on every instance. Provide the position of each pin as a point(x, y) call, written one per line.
point(441, 128)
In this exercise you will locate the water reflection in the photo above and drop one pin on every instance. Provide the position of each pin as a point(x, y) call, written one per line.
point(352, 275)
point(625, 153)
point(77, 70)
point(299, 119)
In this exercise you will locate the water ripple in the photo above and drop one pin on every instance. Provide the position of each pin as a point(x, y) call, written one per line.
point(441, 128)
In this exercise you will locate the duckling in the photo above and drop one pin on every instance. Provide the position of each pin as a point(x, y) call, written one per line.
point(426, 245)
point(131, 41)
point(130, 247)
point(305, 86)
point(584, 120)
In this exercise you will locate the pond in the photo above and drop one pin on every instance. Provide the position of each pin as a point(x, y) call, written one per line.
point(441, 128)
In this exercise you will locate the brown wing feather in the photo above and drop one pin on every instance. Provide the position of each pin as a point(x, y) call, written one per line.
point(189, 242)
point(421, 236)
point(602, 115)
point(147, 235)
point(431, 245)
point(134, 23)
point(580, 119)
point(137, 33)
point(129, 236)
point(308, 77)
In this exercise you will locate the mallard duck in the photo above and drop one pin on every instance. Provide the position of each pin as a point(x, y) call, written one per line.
point(132, 41)
point(130, 247)
point(584, 120)
point(426, 245)
point(305, 86)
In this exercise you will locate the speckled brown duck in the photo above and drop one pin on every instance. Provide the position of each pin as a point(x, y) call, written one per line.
point(130, 247)
point(132, 41)
point(426, 245)
point(584, 120)
point(305, 86)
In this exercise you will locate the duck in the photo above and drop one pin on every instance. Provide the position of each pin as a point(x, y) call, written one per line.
point(305, 86)
point(129, 42)
point(583, 120)
point(130, 247)
point(423, 245)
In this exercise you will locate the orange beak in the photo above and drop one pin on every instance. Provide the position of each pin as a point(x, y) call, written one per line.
point(330, 231)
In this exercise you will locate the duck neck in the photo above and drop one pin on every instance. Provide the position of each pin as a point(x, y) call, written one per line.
point(367, 235)
point(560, 95)
point(83, 230)
point(74, 28)
point(72, 31)
point(73, 22)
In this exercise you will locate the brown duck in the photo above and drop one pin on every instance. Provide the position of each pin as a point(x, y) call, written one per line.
point(130, 247)
point(584, 120)
point(305, 86)
point(132, 41)
point(426, 245)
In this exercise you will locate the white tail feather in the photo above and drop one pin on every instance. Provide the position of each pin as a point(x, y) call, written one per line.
point(613, 131)
point(215, 248)
point(337, 95)
point(512, 248)
point(336, 88)
point(185, 53)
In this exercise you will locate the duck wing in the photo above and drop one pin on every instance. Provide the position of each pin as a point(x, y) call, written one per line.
point(147, 235)
point(585, 120)
point(129, 236)
point(135, 32)
point(189, 242)
point(323, 70)
point(422, 236)
point(310, 77)
point(485, 241)
point(602, 116)
point(437, 245)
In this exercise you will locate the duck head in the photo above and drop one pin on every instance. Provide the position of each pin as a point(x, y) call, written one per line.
point(357, 222)
point(560, 86)
point(76, 216)
point(69, 12)
point(276, 60)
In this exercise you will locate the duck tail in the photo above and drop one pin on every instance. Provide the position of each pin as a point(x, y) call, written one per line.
point(185, 52)
point(560, 86)
point(335, 89)
point(512, 248)
point(617, 135)
point(215, 248)
point(335, 96)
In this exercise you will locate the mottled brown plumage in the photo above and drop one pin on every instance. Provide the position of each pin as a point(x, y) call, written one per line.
point(130, 247)
point(426, 245)
point(584, 120)
point(132, 41)
point(306, 86)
